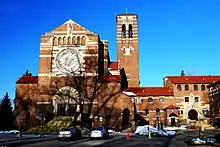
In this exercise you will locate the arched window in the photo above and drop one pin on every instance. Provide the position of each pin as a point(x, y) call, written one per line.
point(59, 41)
point(123, 31)
point(69, 40)
point(83, 41)
point(64, 40)
point(74, 40)
point(179, 87)
point(55, 42)
point(130, 33)
point(195, 87)
point(186, 87)
point(78, 40)
point(202, 87)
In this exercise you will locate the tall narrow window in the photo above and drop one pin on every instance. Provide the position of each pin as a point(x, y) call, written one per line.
point(123, 31)
point(179, 87)
point(69, 40)
point(74, 40)
point(195, 87)
point(186, 87)
point(83, 41)
point(202, 87)
point(78, 40)
point(150, 99)
point(130, 31)
point(64, 40)
point(55, 42)
point(59, 41)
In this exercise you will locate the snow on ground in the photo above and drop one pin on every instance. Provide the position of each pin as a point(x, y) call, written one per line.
point(145, 130)
point(9, 132)
point(175, 128)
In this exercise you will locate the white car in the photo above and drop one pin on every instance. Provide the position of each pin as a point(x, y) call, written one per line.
point(99, 132)
point(70, 133)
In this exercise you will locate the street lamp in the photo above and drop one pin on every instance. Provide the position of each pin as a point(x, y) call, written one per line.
point(42, 119)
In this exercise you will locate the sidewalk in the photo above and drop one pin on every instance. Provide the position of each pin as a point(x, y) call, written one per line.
point(14, 137)
point(29, 140)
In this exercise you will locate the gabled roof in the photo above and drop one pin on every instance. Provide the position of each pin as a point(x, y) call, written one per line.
point(70, 21)
point(27, 79)
point(113, 66)
point(150, 91)
point(193, 79)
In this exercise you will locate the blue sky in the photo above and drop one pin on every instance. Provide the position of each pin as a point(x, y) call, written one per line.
point(173, 34)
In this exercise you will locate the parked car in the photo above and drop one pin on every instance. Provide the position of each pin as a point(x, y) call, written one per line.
point(70, 133)
point(99, 133)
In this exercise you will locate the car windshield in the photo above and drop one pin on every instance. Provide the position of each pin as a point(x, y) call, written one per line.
point(65, 129)
point(98, 128)
point(68, 129)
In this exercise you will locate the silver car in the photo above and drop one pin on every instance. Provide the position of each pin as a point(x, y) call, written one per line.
point(99, 133)
point(70, 133)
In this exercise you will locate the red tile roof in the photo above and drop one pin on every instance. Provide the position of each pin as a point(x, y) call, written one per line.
point(113, 65)
point(172, 107)
point(111, 78)
point(28, 79)
point(150, 91)
point(193, 79)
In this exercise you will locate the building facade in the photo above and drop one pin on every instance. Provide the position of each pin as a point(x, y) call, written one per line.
point(76, 77)
point(74, 68)
point(214, 97)
point(182, 100)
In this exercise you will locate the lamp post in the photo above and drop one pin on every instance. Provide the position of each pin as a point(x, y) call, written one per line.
point(41, 118)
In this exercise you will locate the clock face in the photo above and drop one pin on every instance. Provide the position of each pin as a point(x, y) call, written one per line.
point(68, 61)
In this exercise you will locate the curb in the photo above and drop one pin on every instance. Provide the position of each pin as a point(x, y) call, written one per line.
point(23, 142)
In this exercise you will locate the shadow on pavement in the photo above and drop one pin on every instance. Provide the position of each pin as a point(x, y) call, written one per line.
point(169, 140)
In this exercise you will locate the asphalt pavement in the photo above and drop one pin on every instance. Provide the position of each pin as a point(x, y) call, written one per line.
point(117, 141)
point(121, 141)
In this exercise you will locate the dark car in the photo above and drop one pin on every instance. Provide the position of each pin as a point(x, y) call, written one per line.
point(70, 133)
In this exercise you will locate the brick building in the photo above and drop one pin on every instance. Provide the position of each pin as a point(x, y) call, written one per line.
point(183, 99)
point(75, 68)
point(214, 97)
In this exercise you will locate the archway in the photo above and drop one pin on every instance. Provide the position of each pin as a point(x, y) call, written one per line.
point(125, 118)
point(66, 101)
point(173, 117)
point(193, 115)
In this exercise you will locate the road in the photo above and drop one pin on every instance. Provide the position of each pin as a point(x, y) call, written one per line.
point(121, 141)
point(117, 141)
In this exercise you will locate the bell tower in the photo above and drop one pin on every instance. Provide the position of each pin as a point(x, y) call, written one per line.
point(127, 46)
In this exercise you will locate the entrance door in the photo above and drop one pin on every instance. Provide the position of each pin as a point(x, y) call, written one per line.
point(173, 117)
point(126, 118)
point(173, 121)
point(193, 115)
